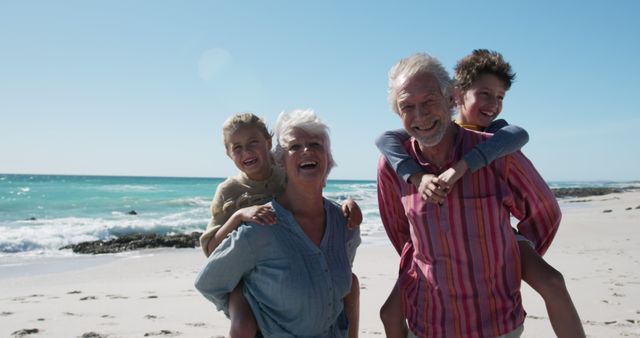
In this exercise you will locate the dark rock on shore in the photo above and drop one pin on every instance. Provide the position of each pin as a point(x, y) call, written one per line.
point(132, 212)
point(136, 242)
point(587, 191)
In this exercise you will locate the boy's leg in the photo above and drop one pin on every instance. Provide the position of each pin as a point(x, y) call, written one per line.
point(352, 307)
point(243, 323)
point(549, 283)
point(392, 316)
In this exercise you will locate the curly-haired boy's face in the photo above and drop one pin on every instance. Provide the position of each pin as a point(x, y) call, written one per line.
point(482, 102)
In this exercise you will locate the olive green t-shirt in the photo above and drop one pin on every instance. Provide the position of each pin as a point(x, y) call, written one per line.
point(238, 192)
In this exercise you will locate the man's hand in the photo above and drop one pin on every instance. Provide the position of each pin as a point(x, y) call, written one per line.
point(352, 213)
point(261, 214)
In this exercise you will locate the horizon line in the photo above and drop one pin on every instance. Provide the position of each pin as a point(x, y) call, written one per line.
point(334, 179)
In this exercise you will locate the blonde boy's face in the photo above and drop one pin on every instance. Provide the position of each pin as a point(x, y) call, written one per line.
point(482, 102)
point(250, 152)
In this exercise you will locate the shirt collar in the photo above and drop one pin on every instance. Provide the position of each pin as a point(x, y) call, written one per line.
point(277, 177)
point(453, 155)
point(469, 126)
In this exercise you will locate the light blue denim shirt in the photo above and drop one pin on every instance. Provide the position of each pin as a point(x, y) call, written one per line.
point(294, 287)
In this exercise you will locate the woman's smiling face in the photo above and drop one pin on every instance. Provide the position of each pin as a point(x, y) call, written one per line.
point(306, 157)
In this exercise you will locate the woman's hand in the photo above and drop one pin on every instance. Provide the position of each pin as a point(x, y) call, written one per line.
point(352, 213)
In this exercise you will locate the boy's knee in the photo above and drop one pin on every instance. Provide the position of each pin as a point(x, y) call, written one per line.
point(556, 280)
point(389, 315)
point(238, 330)
point(355, 286)
point(554, 284)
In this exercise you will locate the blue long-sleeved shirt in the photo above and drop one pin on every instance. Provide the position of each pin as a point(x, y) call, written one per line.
point(294, 288)
point(506, 140)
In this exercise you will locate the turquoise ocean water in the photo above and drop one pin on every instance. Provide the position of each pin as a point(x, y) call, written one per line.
point(41, 213)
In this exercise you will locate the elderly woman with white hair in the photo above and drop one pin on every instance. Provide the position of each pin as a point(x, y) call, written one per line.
point(296, 272)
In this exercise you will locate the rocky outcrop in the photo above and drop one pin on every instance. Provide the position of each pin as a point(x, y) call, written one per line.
point(136, 242)
point(587, 191)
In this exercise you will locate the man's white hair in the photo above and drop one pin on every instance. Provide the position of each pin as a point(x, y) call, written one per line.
point(306, 120)
point(419, 63)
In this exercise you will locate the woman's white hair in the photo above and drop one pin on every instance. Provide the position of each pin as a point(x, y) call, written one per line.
point(419, 63)
point(306, 120)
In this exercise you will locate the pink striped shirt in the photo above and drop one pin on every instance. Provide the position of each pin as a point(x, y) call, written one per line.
point(460, 263)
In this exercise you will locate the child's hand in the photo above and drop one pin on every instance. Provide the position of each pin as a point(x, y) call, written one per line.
point(352, 213)
point(261, 214)
point(432, 188)
point(453, 174)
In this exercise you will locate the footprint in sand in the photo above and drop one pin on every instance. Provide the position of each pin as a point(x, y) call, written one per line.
point(196, 324)
point(151, 317)
point(24, 332)
point(74, 292)
point(71, 314)
point(92, 335)
point(163, 333)
point(5, 313)
point(89, 298)
point(117, 297)
point(607, 210)
point(23, 299)
point(107, 316)
point(535, 317)
point(151, 297)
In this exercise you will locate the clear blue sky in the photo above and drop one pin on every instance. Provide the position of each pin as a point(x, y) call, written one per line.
point(142, 87)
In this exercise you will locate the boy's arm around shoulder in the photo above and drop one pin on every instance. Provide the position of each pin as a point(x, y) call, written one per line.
point(391, 145)
point(506, 140)
point(215, 222)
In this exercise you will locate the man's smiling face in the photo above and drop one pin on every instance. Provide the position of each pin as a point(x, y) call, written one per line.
point(423, 109)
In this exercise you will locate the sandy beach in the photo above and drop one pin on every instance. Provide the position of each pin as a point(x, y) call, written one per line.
point(150, 293)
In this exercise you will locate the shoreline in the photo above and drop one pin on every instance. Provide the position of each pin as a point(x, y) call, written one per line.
point(151, 291)
point(138, 241)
